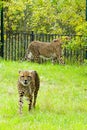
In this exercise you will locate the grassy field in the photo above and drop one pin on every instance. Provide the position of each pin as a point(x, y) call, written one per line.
point(61, 102)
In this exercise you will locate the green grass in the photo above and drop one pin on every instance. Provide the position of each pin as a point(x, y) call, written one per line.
point(61, 102)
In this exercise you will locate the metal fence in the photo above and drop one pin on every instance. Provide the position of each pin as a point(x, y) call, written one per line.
point(16, 44)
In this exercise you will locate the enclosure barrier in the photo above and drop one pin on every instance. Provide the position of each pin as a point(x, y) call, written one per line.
point(16, 44)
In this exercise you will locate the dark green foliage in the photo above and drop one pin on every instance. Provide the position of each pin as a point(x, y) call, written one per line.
point(50, 16)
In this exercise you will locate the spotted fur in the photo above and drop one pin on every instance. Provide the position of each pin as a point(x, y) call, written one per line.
point(28, 86)
point(52, 51)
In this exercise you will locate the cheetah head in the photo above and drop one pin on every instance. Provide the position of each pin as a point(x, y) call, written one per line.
point(25, 78)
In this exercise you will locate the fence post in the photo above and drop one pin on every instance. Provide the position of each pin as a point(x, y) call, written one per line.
point(85, 52)
point(2, 33)
point(86, 10)
point(32, 36)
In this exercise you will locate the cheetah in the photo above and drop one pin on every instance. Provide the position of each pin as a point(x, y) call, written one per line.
point(28, 86)
point(53, 51)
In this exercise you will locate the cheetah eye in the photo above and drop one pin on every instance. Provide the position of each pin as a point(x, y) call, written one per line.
point(29, 76)
point(22, 76)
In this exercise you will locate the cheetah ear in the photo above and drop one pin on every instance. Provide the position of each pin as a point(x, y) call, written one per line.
point(55, 40)
point(19, 71)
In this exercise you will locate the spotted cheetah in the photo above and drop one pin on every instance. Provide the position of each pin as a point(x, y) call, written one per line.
point(53, 51)
point(28, 86)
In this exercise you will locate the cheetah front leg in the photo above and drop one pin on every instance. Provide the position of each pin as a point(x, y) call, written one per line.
point(35, 97)
point(30, 102)
point(61, 61)
point(20, 103)
point(37, 59)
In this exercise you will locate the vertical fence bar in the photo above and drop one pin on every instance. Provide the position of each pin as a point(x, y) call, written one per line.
point(20, 45)
point(15, 47)
point(32, 36)
point(8, 45)
point(12, 48)
point(86, 10)
point(2, 33)
point(43, 37)
point(18, 48)
point(5, 48)
point(24, 45)
point(46, 37)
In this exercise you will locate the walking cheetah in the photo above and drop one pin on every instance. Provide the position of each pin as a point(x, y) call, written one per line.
point(28, 86)
point(52, 51)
